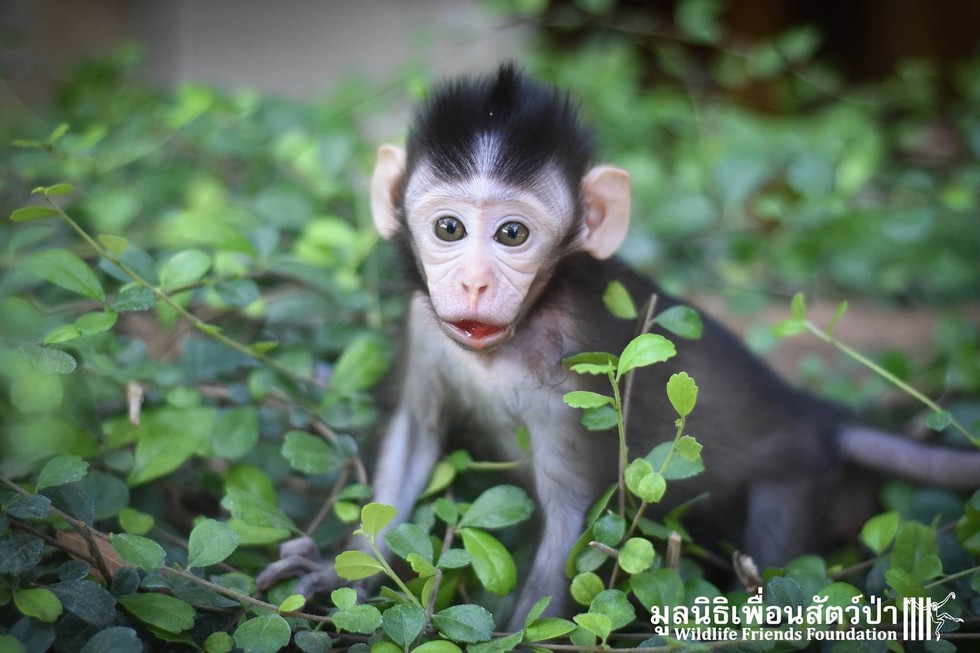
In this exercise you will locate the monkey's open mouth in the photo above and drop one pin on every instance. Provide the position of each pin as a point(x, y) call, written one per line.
point(477, 335)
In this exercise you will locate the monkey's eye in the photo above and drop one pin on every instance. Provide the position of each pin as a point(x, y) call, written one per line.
point(449, 229)
point(512, 234)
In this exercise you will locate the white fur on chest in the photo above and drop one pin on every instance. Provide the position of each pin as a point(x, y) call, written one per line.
point(515, 385)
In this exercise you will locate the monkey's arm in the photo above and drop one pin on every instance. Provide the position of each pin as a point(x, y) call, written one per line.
point(406, 456)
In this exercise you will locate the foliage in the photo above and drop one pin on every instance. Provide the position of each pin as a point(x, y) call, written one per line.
point(194, 317)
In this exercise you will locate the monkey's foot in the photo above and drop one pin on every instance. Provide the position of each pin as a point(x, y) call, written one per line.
point(301, 558)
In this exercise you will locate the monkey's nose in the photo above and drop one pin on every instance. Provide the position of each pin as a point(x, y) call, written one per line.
point(473, 292)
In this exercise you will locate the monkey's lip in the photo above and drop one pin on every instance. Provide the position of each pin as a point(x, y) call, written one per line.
point(476, 334)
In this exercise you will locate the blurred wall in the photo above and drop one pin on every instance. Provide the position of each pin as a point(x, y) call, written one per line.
point(296, 48)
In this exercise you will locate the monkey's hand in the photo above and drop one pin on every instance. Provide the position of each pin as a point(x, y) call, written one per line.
point(301, 558)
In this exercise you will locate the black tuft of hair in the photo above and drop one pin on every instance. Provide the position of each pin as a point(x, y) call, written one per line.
point(533, 124)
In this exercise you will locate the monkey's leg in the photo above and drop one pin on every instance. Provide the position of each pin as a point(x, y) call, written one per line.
point(781, 521)
point(408, 452)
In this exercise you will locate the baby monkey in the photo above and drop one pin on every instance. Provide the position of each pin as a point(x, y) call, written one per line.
point(507, 232)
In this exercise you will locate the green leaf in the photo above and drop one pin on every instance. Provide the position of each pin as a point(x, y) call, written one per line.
point(59, 189)
point(586, 587)
point(464, 623)
point(115, 244)
point(236, 432)
point(645, 349)
point(403, 623)
point(36, 506)
point(499, 645)
point(134, 298)
point(28, 213)
point(266, 634)
point(408, 538)
point(309, 454)
point(618, 301)
point(879, 531)
point(596, 362)
point(87, 600)
point(798, 307)
point(490, 560)
point(363, 619)
point(937, 420)
point(636, 555)
point(599, 419)
point(838, 314)
point(237, 292)
point(92, 323)
point(916, 551)
point(222, 642)
point(139, 551)
point(586, 399)
point(355, 565)
point(117, 639)
point(442, 475)
point(184, 268)
point(635, 472)
point(167, 438)
point(598, 624)
point(19, 552)
point(375, 516)
point(57, 133)
point(254, 510)
point(292, 603)
point(679, 466)
point(64, 269)
point(60, 470)
point(62, 333)
point(615, 605)
point(682, 392)
point(682, 321)
point(609, 529)
point(662, 587)
point(160, 611)
point(40, 604)
point(548, 628)
point(210, 542)
point(344, 598)
point(498, 507)
point(689, 449)
point(537, 610)
point(904, 583)
point(652, 487)
point(788, 328)
point(136, 522)
point(699, 21)
point(49, 361)
point(454, 559)
point(361, 365)
point(34, 392)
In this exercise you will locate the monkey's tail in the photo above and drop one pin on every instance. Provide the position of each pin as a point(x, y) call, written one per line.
point(922, 463)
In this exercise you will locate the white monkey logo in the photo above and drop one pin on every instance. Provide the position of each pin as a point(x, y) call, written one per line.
point(941, 617)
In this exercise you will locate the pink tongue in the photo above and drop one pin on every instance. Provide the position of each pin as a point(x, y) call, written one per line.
point(474, 329)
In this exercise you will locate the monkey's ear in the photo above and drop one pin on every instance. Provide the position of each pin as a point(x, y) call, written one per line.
point(387, 173)
point(606, 191)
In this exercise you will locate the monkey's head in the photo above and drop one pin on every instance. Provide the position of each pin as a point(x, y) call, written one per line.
point(492, 190)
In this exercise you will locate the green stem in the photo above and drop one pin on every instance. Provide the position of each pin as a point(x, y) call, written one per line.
point(392, 575)
point(623, 452)
point(888, 376)
point(673, 447)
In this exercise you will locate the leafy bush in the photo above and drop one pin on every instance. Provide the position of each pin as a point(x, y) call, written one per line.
point(194, 317)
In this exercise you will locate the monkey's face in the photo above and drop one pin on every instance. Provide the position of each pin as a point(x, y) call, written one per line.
point(486, 248)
